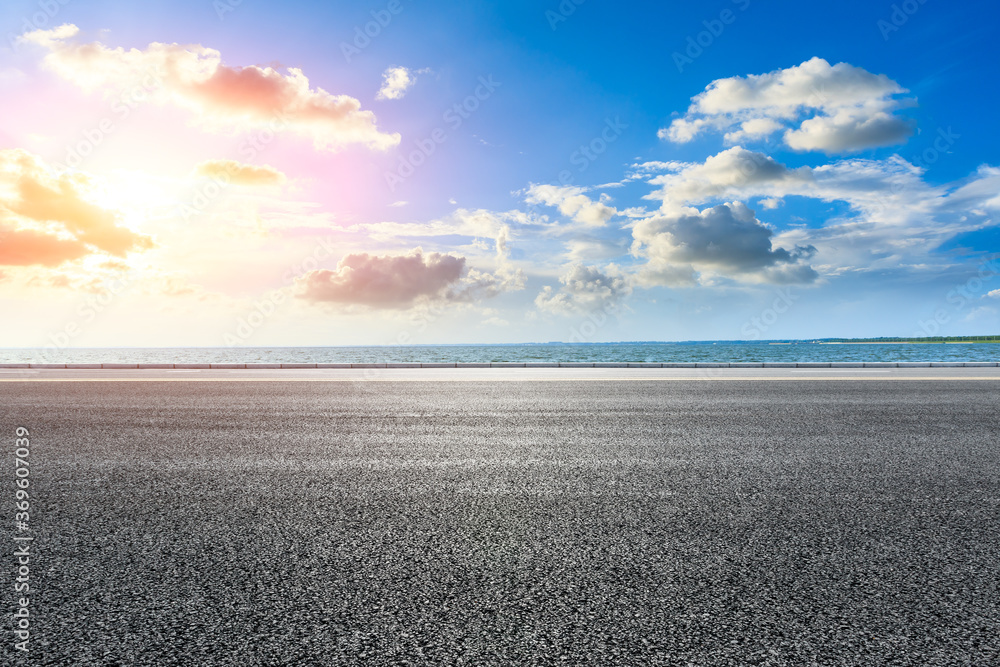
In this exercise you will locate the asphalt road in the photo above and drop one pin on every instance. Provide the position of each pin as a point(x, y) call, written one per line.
point(495, 374)
point(745, 522)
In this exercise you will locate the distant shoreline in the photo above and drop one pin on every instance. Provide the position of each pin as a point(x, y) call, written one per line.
point(904, 342)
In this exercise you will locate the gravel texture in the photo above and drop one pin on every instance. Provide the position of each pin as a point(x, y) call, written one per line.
point(513, 523)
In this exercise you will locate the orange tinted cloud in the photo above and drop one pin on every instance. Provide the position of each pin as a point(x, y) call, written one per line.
point(231, 171)
point(32, 196)
point(23, 247)
point(384, 281)
point(194, 77)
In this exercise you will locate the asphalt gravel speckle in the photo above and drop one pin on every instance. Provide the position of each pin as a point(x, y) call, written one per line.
point(515, 523)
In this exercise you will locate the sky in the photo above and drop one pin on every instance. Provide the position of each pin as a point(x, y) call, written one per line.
point(241, 173)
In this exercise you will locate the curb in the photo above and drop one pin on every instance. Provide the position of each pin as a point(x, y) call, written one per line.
point(497, 364)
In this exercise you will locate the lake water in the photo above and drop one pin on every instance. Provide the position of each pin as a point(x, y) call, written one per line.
point(607, 352)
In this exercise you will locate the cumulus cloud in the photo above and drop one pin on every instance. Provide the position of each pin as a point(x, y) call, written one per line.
point(475, 224)
point(403, 281)
point(395, 82)
point(194, 77)
point(755, 128)
point(889, 190)
point(848, 131)
point(572, 203)
point(585, 289)
point(726, 240)
point(734, 170)
point(56, 208)
point(830, 108)
point(239, 173)
point(384, 281)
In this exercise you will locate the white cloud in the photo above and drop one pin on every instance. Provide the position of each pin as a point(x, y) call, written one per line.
point(848, 131)
point(395, 82)
point(571, 202)
point(585, 289)
point(733, 171)
point(640, 170)
point(222, 97)
point(755, 128)
point(981, 313)
point(894, 217)
point(830, 108)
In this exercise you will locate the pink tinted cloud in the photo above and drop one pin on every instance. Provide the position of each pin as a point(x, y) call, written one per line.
point(384, 281)
point(194, 77)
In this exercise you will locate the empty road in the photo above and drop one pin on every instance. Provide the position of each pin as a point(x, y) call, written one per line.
point(593, 517)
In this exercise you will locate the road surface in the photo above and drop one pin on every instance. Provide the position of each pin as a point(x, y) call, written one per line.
point(523, 516)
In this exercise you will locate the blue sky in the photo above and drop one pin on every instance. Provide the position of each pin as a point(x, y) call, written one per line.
point(661, 172)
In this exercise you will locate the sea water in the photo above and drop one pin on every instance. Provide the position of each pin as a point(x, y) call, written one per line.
point(551, 352)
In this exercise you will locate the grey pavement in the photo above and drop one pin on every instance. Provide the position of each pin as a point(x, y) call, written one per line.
point(516, 374)
point(511, 517)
